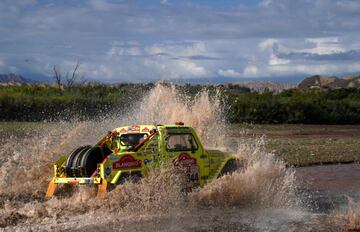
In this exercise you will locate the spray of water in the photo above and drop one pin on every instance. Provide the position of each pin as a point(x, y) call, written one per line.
point(262, 182)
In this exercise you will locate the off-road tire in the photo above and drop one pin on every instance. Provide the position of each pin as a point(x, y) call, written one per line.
point(75, 167)
point(70, 159)
point(89, 160)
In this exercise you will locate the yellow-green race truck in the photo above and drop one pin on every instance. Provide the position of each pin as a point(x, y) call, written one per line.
point(127, 152)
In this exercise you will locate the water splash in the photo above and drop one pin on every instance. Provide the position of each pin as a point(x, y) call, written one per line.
point(263, 182)
point(166, 105)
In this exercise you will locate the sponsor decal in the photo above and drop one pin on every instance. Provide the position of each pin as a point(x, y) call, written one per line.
point(147, 161)
point(114, 158)
point(88, 181)
point(134, 128)
point(73, 182)
point(126, 162)
point(123, 131)
point(150, 152)
point(114, 132)
point(184, 160)
point(145, 129)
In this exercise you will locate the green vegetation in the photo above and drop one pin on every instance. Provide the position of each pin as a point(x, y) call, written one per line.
point(43, 102)
point(339, 106)
point(303, 152)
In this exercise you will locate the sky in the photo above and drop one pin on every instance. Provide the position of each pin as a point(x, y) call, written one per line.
point(143, 41)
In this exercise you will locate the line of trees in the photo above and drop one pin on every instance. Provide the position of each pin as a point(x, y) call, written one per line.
point(339, 106)
point(46, 102)
point(39, 102)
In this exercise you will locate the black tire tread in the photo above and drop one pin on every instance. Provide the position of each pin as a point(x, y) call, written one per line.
point(89, 161)
point(70, 159)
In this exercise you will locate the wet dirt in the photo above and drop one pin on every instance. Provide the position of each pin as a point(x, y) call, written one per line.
point(264, 195)
point(337, 178)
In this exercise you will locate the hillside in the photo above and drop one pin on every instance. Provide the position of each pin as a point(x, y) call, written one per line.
point(13, 78)
point(333, 82)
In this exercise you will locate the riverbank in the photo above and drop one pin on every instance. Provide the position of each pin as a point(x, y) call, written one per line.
point(305, 145)
point(297, 145)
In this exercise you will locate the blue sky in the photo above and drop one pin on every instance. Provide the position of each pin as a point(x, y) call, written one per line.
point(150, 40)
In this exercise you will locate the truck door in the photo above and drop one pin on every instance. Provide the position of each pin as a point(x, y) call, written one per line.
point(150, 151)
point(184, 152)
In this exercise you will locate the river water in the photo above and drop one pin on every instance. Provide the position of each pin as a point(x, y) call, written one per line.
point(338, 178)
point(264, 195)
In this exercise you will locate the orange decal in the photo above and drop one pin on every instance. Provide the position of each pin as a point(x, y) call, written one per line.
point(73, 182)
point(134, 128)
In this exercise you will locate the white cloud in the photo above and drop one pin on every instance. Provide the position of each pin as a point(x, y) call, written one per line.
point(6, 68)
point(274, 60)
point(325, 45)
point(312, 69)
point(192, 68)
point(265, 3)
point(229, 73)
point(164, 2)
point(124, 51)
point(267, 43)
point(168, 69)
point(124, 40)
point(186, 48)
point(2, 63)
point(101, 5)
point(251, 71)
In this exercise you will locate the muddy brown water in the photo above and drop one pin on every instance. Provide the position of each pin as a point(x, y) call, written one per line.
point(264, 196)
point(337, 178)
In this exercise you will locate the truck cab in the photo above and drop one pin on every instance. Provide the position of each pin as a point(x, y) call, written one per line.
point(128, 151)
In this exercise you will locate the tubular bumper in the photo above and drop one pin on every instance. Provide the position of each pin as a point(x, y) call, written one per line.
point(59, 178)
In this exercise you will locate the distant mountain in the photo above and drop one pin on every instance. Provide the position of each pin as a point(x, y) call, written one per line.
point(14, 78)
point(261, 86)
point(225, 80)
point(332, 82)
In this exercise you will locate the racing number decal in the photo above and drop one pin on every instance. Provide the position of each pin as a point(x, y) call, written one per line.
point(184, 160)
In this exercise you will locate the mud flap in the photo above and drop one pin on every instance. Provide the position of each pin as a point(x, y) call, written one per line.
point(51, 189)
point(102, 189)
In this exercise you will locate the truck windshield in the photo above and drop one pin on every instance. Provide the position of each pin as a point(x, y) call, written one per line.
point(131, 140)
point(181, 142)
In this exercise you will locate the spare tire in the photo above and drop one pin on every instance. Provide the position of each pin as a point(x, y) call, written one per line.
point(74, 172)
point(70, 159)
point(89, 161)
point(75, 167)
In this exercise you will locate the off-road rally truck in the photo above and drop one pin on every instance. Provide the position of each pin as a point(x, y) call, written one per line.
point(127, 152)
